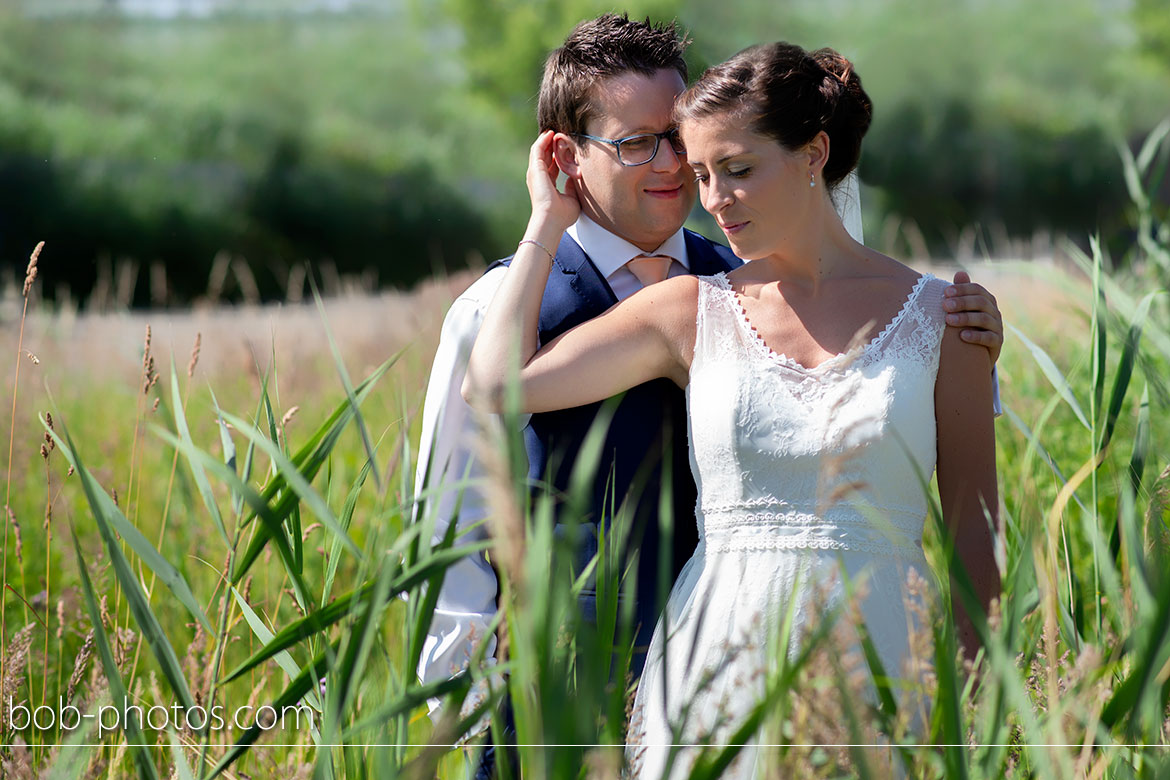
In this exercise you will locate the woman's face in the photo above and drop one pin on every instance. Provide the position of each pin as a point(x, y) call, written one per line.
point(757, 190)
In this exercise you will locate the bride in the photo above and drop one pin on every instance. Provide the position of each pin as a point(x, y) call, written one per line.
point(820, 380)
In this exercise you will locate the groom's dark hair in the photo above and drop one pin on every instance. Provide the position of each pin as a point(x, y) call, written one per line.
point(598, 49)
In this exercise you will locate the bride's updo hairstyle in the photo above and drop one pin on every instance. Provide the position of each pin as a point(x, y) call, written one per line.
point(786, 93)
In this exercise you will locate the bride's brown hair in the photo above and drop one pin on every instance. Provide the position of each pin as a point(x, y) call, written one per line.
point(790, 95)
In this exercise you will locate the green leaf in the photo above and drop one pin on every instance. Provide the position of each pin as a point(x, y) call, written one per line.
point(347, 384)
point(296, 480)
point(299, 630)
point(283, 659)
point(317, 621)
point(141, 546)
point(1053, 374)
point(1133, 179)
point(296, 690)
point(355, 648)
point(1100, 333)
point(182, 768)
point(1150, 146)
point(134, 736)
point(139, 604)
point(196, 470)
point(256, 501)
point(308, 461)
point(1125, 369)
point(343, 520)
point(1139, 686)
point(229, 453)
point(1141, 443)
point(412, 698)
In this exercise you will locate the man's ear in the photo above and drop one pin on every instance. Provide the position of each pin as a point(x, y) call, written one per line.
point(565, 153)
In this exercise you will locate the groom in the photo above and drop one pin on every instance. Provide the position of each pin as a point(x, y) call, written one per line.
point(611, 80)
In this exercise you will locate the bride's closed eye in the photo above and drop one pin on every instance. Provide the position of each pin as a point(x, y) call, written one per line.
point(735, 173)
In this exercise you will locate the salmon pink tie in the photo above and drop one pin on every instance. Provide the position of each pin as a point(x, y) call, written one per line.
point(650, 269)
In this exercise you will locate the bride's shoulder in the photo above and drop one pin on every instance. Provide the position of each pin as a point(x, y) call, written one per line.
point(893, 272)
point(685, 288)
point(896, 278)
point(676, 294)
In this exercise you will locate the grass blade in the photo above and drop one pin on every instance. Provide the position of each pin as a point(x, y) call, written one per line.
point(196, 470)
point(289, 697)
point(142, 546)
point(347, 384)
point(321, 619)
point(308, 460)
point(1125, 369)
point(182, 768)
point(1053, 374)
point(343, 520)
point(132, 589)
point(1151, 144)
point(1137, 688)
point(283, 659)
point(269, 518)
point(296, 480)
point(134, 737)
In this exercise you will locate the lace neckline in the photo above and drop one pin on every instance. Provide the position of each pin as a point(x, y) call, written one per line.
point(828, 363)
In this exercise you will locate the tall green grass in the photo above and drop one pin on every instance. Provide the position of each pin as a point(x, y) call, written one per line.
point(316, 577)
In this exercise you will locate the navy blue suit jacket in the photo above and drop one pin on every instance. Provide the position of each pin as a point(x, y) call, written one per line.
point(645, 446)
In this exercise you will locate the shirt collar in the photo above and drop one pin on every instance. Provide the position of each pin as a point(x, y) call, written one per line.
point(610, 252)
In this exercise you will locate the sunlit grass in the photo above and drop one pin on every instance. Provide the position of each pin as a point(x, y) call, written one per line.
point(291, 595)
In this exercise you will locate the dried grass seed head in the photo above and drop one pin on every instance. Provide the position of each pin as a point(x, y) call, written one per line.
point(17, 655)
point(194, 355)
point(80, 664)
point(30, 274)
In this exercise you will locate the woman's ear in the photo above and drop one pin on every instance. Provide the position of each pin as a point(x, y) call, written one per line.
point(565, 153)
point(818, 152)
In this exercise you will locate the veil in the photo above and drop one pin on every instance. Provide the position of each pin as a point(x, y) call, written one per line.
point(847, 199)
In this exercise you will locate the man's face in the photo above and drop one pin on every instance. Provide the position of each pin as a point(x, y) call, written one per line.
point(644, 204)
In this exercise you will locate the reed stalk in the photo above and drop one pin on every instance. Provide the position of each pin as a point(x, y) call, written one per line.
point(30, 276)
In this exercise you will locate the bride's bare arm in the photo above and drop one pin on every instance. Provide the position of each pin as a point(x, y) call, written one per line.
point(966, 470)
point(642, 338)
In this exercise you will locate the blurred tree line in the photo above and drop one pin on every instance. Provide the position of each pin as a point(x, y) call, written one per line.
point(391, 139)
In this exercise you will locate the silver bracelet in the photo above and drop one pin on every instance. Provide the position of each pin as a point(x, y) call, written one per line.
point(534, 242)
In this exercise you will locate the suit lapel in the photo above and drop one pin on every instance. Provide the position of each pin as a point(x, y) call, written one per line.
point(592, 293)
point(703, 257)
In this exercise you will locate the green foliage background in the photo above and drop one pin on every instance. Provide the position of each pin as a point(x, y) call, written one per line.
point(393, 136)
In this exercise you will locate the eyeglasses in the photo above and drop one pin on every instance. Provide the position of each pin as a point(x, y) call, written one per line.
point(641, 148)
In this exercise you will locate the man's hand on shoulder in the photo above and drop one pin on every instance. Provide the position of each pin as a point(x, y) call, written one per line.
point(971, 307)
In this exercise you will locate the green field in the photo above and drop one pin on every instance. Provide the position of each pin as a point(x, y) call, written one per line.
point(1078, 656)
point(235, 528)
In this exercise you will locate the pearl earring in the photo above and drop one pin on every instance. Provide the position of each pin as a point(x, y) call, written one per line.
point(812, 181)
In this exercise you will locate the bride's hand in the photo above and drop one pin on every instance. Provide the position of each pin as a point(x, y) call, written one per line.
point(551, 208)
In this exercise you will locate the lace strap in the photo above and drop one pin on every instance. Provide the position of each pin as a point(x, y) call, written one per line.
point(917, 331)
point(715, 331)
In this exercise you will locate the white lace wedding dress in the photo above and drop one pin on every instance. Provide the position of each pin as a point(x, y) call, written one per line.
point(799, 471)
